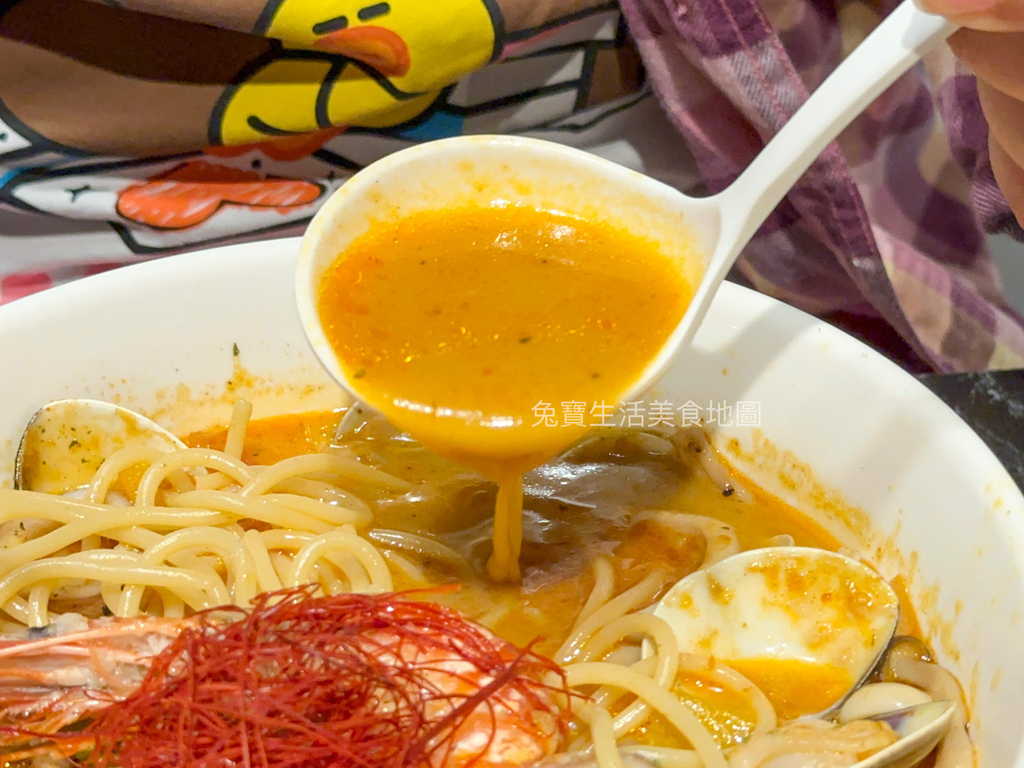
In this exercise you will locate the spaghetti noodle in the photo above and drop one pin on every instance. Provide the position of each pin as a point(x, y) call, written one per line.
point(202, 530)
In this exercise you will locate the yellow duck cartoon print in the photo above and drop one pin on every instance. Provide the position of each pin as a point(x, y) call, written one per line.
point(353, 63)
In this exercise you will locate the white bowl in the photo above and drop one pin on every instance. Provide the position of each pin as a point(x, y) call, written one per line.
point(937, 505)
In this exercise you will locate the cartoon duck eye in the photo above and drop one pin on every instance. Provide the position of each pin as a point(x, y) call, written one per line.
point(375, 45)
point(368, 13)
point(331, 25)
point(373, 11)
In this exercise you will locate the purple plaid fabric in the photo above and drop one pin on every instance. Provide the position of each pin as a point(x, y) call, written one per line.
point(889, 223)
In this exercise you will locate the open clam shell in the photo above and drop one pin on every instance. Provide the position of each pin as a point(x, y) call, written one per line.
point(771, 613)
point(66, 441)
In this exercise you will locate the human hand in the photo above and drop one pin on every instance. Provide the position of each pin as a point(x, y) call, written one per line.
point(991, 43)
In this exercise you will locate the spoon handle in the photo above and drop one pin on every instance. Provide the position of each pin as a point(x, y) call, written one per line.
point(890, 50)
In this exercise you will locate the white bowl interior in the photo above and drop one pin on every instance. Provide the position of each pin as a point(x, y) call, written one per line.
point(936, 505)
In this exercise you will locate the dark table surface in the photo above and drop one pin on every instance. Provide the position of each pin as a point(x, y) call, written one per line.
point(993, 404)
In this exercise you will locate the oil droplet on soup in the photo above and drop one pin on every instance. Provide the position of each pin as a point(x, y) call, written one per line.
point(491, 334)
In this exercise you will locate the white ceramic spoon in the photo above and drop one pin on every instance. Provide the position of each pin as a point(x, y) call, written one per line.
point(705, 235)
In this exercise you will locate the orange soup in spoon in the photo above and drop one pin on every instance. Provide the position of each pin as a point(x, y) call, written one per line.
point(495, 331)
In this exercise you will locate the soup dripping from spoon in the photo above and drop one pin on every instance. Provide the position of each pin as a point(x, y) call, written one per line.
point(751, 610)
point(686, 247)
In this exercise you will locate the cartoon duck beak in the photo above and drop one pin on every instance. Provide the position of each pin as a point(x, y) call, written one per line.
point(381, 48)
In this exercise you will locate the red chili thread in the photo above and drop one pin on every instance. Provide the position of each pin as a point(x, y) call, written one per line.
point(303, 682)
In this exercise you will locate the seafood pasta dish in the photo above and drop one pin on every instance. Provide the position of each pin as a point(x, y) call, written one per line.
point(431, 578)
point(313, 590)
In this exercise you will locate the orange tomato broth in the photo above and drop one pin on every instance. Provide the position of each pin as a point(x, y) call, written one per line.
point(794, 688)
point(458, 324)
point(543, 613)
point(455, 324)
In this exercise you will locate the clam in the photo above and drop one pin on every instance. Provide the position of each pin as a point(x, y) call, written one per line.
point(777, 612)
point(921, 728)
point(818, 618)
point(898, 739)
point(66, 441)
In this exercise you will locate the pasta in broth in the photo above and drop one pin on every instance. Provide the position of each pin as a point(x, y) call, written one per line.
point(609, 525)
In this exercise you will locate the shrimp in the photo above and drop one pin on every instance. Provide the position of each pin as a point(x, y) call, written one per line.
point(57, 676)
point(344, 680)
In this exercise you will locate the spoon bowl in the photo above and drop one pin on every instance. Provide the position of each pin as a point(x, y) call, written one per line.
point(494, 172)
